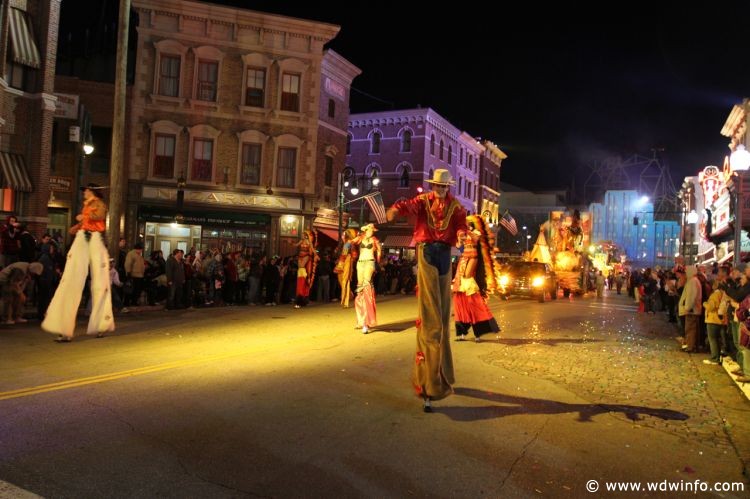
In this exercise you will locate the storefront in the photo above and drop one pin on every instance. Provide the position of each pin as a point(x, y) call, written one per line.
point(261, 224)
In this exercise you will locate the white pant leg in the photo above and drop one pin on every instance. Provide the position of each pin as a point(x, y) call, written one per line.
point(101, 319)
point(62, 310)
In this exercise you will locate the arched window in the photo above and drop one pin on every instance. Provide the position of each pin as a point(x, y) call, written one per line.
point(406, 141)
point(432, 145)
point(450, 154)
point(349, 144)
point(375, 143)
point(403, 180)
point(442, 145)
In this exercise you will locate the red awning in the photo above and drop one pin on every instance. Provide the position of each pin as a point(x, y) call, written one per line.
point(332, 233)
point(399, 241)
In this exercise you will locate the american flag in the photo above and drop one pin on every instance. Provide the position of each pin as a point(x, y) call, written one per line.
point(509, 223)
point(375, 200)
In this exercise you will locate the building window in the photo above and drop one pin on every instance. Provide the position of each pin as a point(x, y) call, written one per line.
point(287, 166)
point(169, 75)
point(471, 161)
point(290, 92)
point(164, 156)
point(432, 145)
point(461, 157)
point(403, 181)
point(406, 141)
point(460, 186)
point(256, 85)
point(251, 154)
point(450, 154)
point(328, 179)
point(15, 74)
point(375, 143)
point(331, 108)
point(203, 152)
point(208, 77)
point(348, 144)
point(441, 149)
point(7, 199)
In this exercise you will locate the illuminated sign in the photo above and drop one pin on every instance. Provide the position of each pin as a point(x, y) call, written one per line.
point(720, 214)
point(223, 198)
point(713, 185)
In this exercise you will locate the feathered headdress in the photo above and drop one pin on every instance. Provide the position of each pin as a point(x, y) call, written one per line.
point(486, 245)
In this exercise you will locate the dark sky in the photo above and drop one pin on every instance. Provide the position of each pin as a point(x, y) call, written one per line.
point(554, 89)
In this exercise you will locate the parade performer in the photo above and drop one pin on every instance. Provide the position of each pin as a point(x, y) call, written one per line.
point(344, 265)
point(476, 279)
point(307, 261)
point(439, 219)
point(369, 256)
point(87, 254)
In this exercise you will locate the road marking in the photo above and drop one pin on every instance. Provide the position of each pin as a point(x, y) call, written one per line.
point(74, 383)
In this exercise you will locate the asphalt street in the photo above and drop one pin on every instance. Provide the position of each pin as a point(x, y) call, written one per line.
point(278, 402)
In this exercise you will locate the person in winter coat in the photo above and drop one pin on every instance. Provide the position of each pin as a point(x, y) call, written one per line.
point(690, 309)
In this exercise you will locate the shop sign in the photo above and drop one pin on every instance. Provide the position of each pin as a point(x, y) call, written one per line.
point(335, 89)
point(228, 219)
point(59, 184)
point(66, 106)
point(223, 198)
point(720, 214)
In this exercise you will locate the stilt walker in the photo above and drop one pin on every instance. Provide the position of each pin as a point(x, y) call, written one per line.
point(87, 254)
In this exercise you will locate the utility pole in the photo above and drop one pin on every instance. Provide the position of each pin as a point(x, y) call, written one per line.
point(117, 173)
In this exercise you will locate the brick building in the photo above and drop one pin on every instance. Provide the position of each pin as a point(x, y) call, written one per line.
point(27, 56)
point(404, 147)
point(243, 114)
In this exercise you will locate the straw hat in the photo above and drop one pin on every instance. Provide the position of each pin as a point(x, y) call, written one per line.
point(441, 177)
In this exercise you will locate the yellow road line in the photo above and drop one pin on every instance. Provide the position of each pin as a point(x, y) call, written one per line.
point(74, 383)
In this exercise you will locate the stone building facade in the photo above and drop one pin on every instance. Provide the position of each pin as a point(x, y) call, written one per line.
point(227, 113)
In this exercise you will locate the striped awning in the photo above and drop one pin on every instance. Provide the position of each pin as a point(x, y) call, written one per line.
point(13, 173)
point(22, 42)
point(399, 241)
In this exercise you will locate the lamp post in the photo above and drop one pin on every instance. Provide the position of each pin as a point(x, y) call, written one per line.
point(739, 161)
point(526, 230)
point(344, 177)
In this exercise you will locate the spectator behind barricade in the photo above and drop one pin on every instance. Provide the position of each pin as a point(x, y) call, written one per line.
point(135, 267)
point(9, 241)
point(27, 245)
point(13, 279)
point(115, 286)
point(48, 279)
point(175, 272)
point(691, 309)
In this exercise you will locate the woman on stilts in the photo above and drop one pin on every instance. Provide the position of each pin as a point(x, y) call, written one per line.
point(87, 254)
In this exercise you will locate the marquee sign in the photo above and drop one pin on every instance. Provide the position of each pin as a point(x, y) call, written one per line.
point(712, 182)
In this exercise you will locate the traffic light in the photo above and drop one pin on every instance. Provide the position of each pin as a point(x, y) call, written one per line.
point(635, 220)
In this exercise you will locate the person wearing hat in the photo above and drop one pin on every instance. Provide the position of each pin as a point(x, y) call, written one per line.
point(369, 255)
point(439, 220)
point(13, 280)
point(87, 254)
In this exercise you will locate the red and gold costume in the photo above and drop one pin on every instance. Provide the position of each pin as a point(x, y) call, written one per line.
point(344, 266)
point(475, 280)
point(307, 262)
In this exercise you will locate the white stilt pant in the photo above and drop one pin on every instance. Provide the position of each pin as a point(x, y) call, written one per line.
point(83, 256)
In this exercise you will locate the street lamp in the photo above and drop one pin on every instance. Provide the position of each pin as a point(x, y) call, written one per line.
point(526, 230)
point(344, 179)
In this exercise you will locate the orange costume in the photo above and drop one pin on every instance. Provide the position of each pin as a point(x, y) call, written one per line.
point(87, 255)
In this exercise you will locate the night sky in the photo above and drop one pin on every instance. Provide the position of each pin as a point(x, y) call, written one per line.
point(555, 90)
